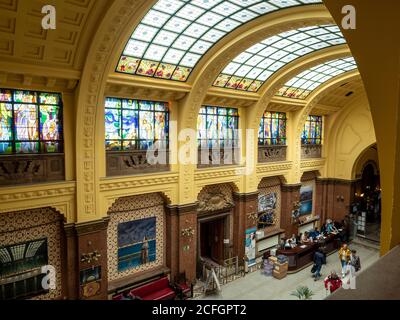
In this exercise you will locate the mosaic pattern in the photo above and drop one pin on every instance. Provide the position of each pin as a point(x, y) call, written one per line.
point(268, 186)
point(22, 226)
point(129, 209)
point(250, 69)
point(272, 129)
point(30, 122)
point(174, 35)
point(312, 132)
point(301, 86)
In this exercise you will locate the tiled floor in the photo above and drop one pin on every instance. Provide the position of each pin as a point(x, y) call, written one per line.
point(256, 286)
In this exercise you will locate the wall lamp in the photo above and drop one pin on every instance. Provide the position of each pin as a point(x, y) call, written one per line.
point(89, 257)
point(188, 232)
point(252, 216)
point(340, 198)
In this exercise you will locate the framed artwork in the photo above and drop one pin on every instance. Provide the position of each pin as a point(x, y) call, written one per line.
point(306, 200)
point(250, 246)
point(136, 243)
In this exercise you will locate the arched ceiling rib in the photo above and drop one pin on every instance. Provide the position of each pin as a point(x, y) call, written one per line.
point(302, 85)
point(175, 34)
point(250, 69)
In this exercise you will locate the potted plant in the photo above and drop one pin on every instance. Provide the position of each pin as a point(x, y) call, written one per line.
point(303, 293)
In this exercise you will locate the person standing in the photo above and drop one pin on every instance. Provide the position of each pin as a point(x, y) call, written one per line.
point(145, 250)
point(332, 282)
point(355, 260)
point(319, 261)
point(349, 280)
point(344, 257)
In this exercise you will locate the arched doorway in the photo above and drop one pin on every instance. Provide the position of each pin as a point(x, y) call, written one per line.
point(367, 203)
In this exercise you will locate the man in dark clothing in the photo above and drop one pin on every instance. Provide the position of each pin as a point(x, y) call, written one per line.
point(319, 260)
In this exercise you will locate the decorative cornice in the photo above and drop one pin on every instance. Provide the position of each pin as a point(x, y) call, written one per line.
point(111, 184)
point(335, 181)
point(219, 172)
point(245, 197)
point(275, 166)
point(313, 163)
point(290, 187)
point(91, 226)
point(39, 191)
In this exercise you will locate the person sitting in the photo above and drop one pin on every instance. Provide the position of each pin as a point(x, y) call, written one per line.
point(330, 228)
point(314, 234)
point(332, 282)
point(290, 244)
point(294, 239)
point(305, 238)
point(324, 229)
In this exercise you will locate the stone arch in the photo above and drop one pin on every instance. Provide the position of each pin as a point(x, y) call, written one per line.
point(365, 159)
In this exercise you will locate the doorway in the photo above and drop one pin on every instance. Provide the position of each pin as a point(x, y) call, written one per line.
point(369, 202)
point(212, 235)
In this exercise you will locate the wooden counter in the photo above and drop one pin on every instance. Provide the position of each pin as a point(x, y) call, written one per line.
point(299, 258)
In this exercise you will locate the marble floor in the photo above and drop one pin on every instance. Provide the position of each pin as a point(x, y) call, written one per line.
point(256, 286)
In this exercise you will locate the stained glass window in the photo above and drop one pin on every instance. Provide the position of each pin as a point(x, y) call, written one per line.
point(175, 34)
point(135, 124)
point(217, 127)
point(312, 132)
point(272, 130)
point(301, 86)
point(250, 69)
point(30, 122)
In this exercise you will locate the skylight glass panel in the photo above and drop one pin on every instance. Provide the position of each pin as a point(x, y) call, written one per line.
point(190, 60)
point(243, 70)
point(173, 56)
point(206, 4)
point(243, 57)
point(155, 18)
point(196, 30)
point(155, 52)
point(244, 16)
point(184, 42)
point(213, 35)
point(227, 25)
point(165, 38)
point(231, 68)
point(276, 51)
point(284, 3)
point(194, 26)
point(201, 47)
point(226, 8)
point(168, 6)
point(210, 19)
point(177, 24)
point(263, 8)
point(301, 86)
point(135, 48)
point(144, 32)
point(190, 12)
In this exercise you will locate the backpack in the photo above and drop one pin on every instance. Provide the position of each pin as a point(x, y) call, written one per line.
point(357, 264)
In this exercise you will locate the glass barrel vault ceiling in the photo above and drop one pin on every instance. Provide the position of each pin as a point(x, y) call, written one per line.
point(301, 86)
point(249, 70)
point(175, 34)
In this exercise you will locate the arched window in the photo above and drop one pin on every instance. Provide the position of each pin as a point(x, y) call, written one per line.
point(30, 122)
point(312, 132)
point(272, 129)
point(217, 132)
point(135, 124)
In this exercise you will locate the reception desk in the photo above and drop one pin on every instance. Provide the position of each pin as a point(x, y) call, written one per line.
point(299, 257)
